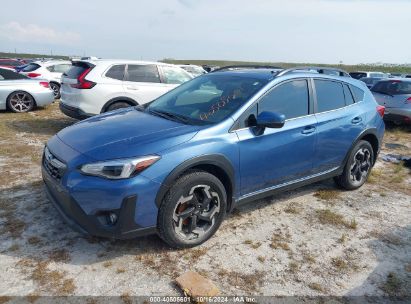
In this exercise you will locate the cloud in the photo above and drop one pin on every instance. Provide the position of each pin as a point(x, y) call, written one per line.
point(35, 33)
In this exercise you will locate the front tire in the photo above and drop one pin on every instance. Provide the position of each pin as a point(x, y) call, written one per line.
point(358, 166)
point(117, 105)
point(192, 210)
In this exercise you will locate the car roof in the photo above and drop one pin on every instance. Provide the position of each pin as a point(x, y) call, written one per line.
point(125, 61)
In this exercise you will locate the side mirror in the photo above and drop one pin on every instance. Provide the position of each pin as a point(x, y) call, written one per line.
point(270, 120)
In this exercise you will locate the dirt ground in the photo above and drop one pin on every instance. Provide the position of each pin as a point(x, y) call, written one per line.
point(316, 240)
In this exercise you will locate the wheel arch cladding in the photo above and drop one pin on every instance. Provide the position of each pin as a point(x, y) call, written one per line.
point(218, 165)
point(128, 100)
point(369, 135)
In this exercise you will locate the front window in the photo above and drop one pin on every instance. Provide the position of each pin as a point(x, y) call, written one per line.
point(207, 99)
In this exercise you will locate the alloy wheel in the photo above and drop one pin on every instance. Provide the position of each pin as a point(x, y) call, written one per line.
point(361, 165)
point(196, 213)
point(56, 89)
point(21, 102)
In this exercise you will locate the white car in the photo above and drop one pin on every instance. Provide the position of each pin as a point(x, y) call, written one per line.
point(192, 69)
point(50, 70)
point(96, 86)
point(19, 93)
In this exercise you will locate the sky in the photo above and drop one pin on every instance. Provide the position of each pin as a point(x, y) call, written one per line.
point(315, 31)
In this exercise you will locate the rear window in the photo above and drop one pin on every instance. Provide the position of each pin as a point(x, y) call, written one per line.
point(116, 72)
point(10, 75)
point(143, 73)
point(357, 93)
point(330, 95)
point(393, 87)
point(30, 67)
point(59, 68)
point(358, 75)
point(76, 70)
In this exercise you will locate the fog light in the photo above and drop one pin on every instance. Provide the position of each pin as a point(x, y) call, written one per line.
point(112, 218)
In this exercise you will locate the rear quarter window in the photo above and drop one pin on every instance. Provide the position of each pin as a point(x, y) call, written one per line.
point(330, 95)
point(357, 93)
point(116, 72)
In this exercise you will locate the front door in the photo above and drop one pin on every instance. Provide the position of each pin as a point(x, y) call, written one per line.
point(278, 156)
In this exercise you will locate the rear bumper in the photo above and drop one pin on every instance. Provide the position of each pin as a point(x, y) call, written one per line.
point(95, 224)
point(398, 114)
point(44, 98)
point(73, 112)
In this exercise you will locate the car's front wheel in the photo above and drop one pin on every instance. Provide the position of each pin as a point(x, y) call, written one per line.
point(358, 166)
point(192, 210)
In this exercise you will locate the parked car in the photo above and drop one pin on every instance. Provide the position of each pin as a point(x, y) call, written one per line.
point(359, 75)
point(97, 86)
point(395, 96)
point(369, 81)
point(19, 93)
point(193, 70)
point(178, 165)
point(52, 70)
point(9, 63)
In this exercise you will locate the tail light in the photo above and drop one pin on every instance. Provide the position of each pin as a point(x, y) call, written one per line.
point(33, 75)
point(381, 110)
point(83, 83)
point(44, 84)
point(408, 100)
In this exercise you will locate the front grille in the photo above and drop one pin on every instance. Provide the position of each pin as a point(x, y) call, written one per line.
point(52, 165)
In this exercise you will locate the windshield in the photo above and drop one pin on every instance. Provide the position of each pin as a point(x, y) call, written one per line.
point(209, 98)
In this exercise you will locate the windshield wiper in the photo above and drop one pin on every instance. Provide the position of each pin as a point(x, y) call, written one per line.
point(168, 115)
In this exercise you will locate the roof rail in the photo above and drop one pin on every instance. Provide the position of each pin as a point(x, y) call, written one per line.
point(319, 70)
point(245, 66)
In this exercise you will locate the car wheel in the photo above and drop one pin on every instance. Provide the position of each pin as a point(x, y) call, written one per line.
point(192, 210)
point(20, 102)
point(56, 89)
point(117, 105)
point(358, 166)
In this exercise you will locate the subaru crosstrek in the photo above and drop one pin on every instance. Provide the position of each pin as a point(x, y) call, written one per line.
point(178, 165)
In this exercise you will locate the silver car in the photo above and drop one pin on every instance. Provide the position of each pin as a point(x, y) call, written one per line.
point(19, 93)
point(395, 95)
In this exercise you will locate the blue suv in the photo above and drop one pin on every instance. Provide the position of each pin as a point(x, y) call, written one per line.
point(178, 165)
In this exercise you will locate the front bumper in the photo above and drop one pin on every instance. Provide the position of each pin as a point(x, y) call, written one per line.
point(73, 112)
point(94, 224)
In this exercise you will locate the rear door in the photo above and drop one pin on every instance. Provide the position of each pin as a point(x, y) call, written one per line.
point(339, 120)
point(142, 83)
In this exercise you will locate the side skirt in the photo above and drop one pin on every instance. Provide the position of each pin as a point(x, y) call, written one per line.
point(288, 186)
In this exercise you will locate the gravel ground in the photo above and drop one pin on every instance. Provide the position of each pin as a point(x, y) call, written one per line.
point(316, 240)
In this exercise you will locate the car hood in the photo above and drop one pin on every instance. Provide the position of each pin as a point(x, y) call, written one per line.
point(125, 133)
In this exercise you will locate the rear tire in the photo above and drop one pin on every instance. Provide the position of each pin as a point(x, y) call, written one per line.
point(192, 210)
point(56, 89)
point(20, 102)
point(117, 105)
point(358, 167)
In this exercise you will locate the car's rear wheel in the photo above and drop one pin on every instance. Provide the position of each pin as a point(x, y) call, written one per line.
point(56, 89)
point(20, 102)
point(358, 166)
point(192, 210)
point(117, 105)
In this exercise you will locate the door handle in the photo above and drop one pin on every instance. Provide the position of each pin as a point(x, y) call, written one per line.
point(132, 88)
point(356, 120)
point(308, 130)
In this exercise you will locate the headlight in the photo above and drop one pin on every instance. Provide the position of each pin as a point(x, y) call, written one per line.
point(119, 168)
